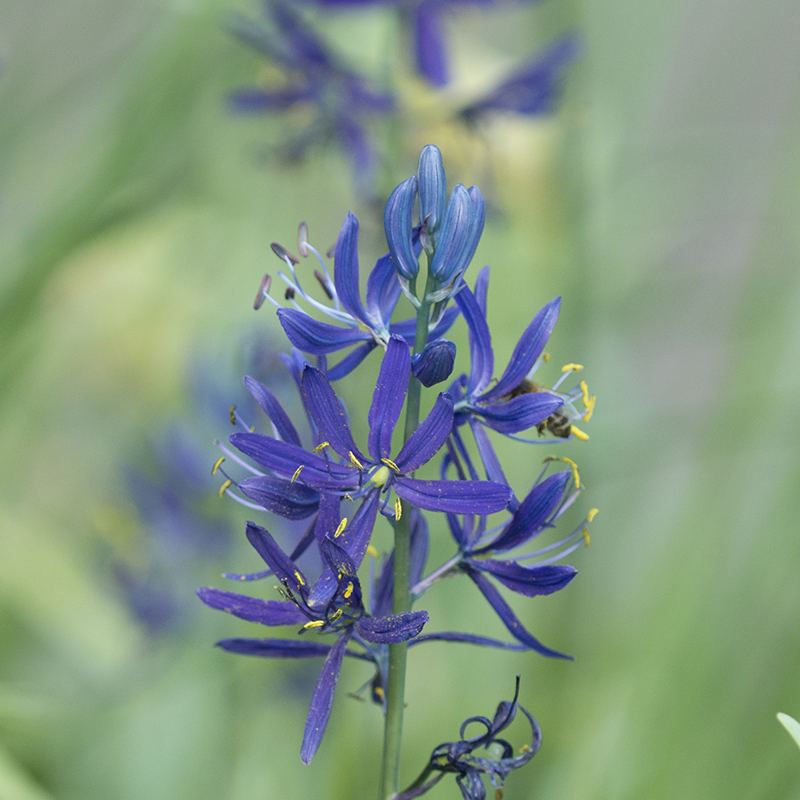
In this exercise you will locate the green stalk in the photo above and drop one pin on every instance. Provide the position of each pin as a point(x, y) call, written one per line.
point(401, 599)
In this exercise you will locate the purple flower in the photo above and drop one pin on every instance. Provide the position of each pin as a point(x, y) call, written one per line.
point(344, 101)
point(341, 612)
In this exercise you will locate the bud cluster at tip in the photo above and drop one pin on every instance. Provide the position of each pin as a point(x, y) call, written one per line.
point(449, 229)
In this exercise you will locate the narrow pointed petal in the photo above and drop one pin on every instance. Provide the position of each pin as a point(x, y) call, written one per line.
point(284, 459)
point(467, 638)
point(432, 187)
point(324, 406)
point(389, 397)
point(532, 514)
point(253, 609)
point(338, 559)
point(275, 648)
point(351, 361)
point(458, 497)
point(530, 581)
point(426, 440)
point(288, 500)
point(491, 463)
point(284, 568)
point(328, 518)
point(392, 629)
point(480, 342)
point(397, 223)
point(318, 338)
point(429, 44)
point(528, 349)
point(515, 627)
point(435, 363)
point(383, 290)
point(322, 700)
point(273, 409)
point(345, 269)
point(482, 289)
point(519, 413)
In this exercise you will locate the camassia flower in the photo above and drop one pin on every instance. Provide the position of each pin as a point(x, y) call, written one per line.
point(478, 548)
point(353, 474)
point(359, 325)
point(342, 613)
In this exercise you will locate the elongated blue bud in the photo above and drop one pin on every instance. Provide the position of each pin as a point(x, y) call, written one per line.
point(456, 226)
point(432, 187)
point(435, 363)
point(397, 222)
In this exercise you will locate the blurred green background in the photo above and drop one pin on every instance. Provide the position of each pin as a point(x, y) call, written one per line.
point(661, 202)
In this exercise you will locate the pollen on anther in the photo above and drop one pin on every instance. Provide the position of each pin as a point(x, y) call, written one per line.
point(371, 551)
point(571, 367)
point(574, 470)
point(297, 473)
point(578, 433)
point(356, 463)
point(586, 537)
point(299, 577)
point(398, 509)
point(592, 514)
point(340, 529)
point(232, 412)
point(319, 447)
point(391, 464)
point(526, 748)
point(217, 465)
point(315, 623)
point(224, 487)
point(348, 591)
point(546, 357)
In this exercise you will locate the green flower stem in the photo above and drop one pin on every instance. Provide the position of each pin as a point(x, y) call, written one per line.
point(401, 599)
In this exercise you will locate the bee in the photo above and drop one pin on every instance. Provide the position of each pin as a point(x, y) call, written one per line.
point(557, 423)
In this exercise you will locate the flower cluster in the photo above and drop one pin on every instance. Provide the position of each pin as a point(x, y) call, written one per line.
point(343, 487)
point(348, 108)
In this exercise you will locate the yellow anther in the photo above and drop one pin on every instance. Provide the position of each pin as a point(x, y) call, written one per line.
point(391, 464)
point(574, 470)
point(299, 577)
point(592, 514)
point(398, 509)
point(371, 551)
point(224, 487)
point(315, 623)
point(546, 357)
point(320, 447)
point(297, 473)
point(586, 537)
point(348, 498)
point(336, 614)
point(348, 591)
point(526, 748)
point(252, 428)
point(588, 415)
point(340, 529)
point(378, 692)
point(233, 414)
point(585, 391)
point(381, 476)
point(578, 433)
point(571, 367)
point(216, 465)
point(354, 461)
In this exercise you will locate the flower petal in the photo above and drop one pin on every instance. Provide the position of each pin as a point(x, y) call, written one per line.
point(426, 440)
point(289, 500)
point(345, 269)
point(389, 397)
point(284, 459)
point(480, 342)
point(528, 349)
point(325, 408)
point(532, 514)
point(392, 629)
point(519, 413)
point(467, 638)
point(530, 581)
point(253, 609)
point(273, 409)
point(322, 700)
point(312, 336)
point(283, 566)
point(275, 648)
point(515, 627)
point(383, 290)
point(459, 497)
point(491, 463)
point(429, 44)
